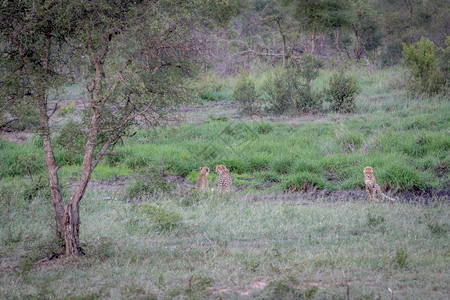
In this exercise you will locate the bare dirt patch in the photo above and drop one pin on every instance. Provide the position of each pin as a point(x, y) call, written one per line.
point(254, 286)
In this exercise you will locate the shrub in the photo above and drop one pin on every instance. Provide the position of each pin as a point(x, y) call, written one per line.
point(306, 101)
point(245, 94)
point(342, 92)
point(281, 89)
point(20, 160)
point(291, 88)
point(422, 62)
point(307, 68)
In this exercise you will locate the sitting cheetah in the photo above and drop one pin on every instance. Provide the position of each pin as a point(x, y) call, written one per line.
point(372, 186)
point(225, 182)
point(202, 180)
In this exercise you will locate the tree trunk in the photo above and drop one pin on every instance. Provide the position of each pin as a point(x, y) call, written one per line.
point(72, 211)
point(313, 42)
point(336, 43)
point(283, 38)
point(359, 51)
point(52, 169)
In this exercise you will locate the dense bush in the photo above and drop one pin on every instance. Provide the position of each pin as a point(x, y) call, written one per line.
point(307, 68)
point(423, 63)
point(20, 160)
point(290, 88)
point(342, 92)
point(281, 89)
point(245, 94)
point(71, 141)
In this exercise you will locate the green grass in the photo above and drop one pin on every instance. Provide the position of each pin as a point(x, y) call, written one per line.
point(231, 246)
point(405, 147)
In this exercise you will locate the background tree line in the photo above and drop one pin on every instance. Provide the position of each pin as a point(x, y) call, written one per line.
point(270, 32)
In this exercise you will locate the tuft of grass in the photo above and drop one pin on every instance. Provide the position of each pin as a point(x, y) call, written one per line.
point(162, 219)
point(305, 181)
point(401, 258)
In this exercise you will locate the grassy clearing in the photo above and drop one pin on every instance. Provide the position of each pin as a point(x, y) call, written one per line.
point(231, 247)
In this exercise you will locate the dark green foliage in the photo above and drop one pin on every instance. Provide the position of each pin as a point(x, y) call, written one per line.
point(439, 230)
point(306, 101)
point(409, 21)
point(444, 56)
point(401, 258)
point(342, 92)
point(402, 177)
point(281, 89)
point(305, 181)
point(422, 61)
point(27, 114)
point(245, 94)
point(365, 26)
point(71, 139)
point(308, 67)
point(290, 88)
point(319, 16)
point(20, 160)
point(263, 128)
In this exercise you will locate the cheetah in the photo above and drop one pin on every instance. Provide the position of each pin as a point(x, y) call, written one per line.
point(225, 181)
point(202, 180)
point(372, 186)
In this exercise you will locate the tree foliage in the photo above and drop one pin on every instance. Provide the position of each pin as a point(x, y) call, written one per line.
point(423, 63)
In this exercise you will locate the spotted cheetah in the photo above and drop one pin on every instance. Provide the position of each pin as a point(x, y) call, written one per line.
point(202, 180)
point(225, 181)
point(372, 186)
